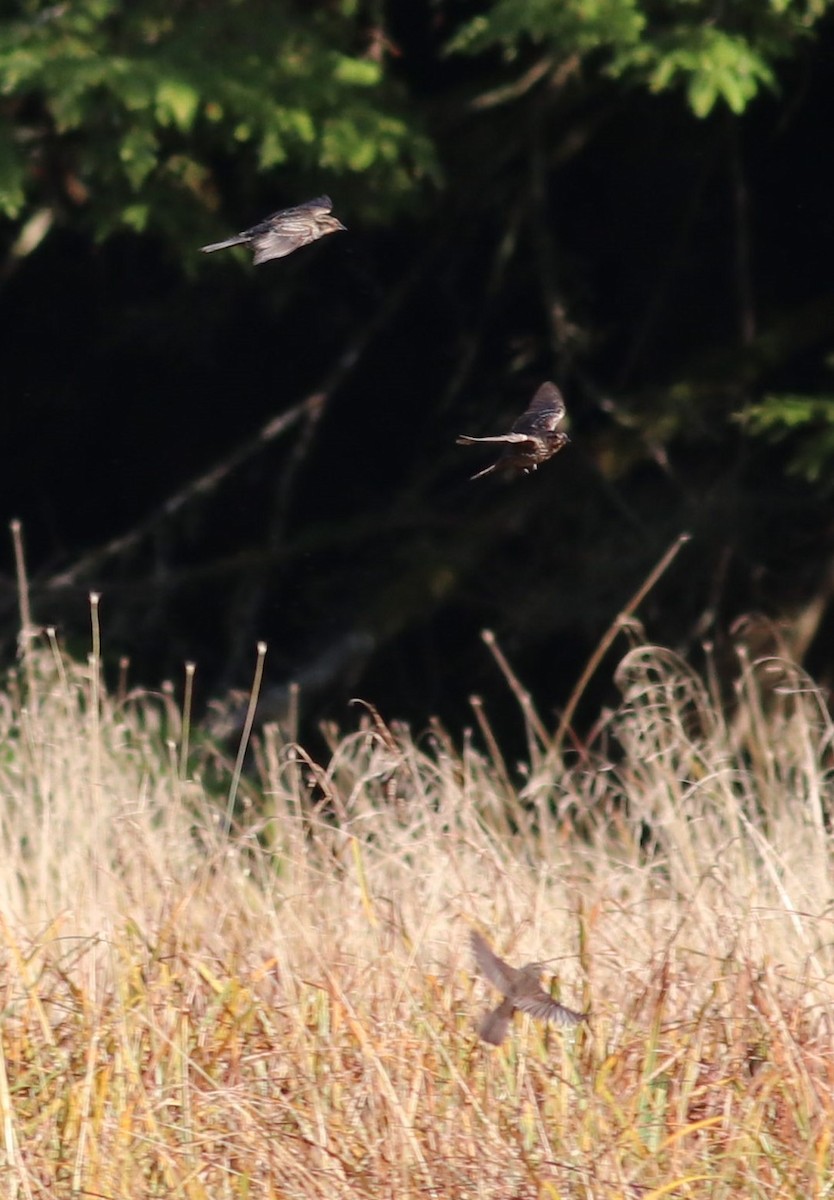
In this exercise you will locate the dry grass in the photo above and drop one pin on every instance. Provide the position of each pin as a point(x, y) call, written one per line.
point(289, 1011)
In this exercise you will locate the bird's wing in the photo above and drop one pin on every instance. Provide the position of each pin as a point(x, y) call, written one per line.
point(285, 231)
point(506, 438)
point(295, 218)
point(275, 243)
point(545, 1008)
point(545, 411)
point(321, 204)
point(499, 973)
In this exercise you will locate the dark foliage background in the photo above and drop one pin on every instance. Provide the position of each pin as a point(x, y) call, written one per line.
point(642, 214)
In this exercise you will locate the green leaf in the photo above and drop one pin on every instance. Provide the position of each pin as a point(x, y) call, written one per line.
point(297, 123)
point(12, 195)
point(715, 65)
point(344, 145)
point(134, 85)
point(136, 216)
point(17, 67)
point(702, 94)
point(571, 25)
point(358, 72)
point(138, 153)
point(806, 424)
point(271, 150)
point(176, 103)
point(780, 414)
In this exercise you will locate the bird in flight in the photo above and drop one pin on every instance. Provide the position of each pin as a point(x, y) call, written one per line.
point(533, 438)
point(521, 989)
point(285, 231)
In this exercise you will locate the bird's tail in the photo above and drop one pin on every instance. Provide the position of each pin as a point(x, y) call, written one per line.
point(233, 241)
point(502, 439)
point(493, 1027)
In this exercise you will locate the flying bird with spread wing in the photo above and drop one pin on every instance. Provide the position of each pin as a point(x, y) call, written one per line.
point(533, 438)
point(522, 990)
point(285, 231)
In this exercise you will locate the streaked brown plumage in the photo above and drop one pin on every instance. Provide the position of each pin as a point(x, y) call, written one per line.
point(285, 231)
point(533, 438)
point(521, 989)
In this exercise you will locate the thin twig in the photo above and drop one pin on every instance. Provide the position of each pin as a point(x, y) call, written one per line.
point(244, 738)
point(492, 743)
point(537, 735)
point(503, 254)
point(742, 250)
point(559, 75)
point(310, 408)
point(611, 633)
point(201, 486)
point(187, 705)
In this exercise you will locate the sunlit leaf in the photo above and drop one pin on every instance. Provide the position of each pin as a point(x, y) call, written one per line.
point(176, 102)
point(136, 217)
point(11, 178)
point(271, 150)
point(360, 72)
point(138, 153)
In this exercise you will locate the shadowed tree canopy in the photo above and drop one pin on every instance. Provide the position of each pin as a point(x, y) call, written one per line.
point(624, 196)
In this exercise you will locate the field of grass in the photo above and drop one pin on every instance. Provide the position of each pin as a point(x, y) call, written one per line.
point(262, 987)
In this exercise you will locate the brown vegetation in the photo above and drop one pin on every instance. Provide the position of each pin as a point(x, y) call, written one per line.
point(290, 1010)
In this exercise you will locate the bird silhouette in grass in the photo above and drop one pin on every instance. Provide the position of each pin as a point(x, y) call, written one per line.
point(533, 438)
point(522, 990)
point(285, 231)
